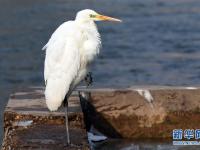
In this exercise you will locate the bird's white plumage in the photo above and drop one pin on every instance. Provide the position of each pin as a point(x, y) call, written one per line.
point(69, 52)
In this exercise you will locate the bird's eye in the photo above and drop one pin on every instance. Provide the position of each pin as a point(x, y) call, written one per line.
point(92, 16)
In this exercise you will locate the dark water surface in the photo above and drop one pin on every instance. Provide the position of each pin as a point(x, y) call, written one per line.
point(157, 43)
point(140, 145)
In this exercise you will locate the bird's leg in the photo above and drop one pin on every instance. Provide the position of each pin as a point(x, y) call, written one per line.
point(89, 79)
point(66, 120)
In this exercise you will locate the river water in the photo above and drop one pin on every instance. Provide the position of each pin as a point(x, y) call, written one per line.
point(140, 145)
point(157, 44)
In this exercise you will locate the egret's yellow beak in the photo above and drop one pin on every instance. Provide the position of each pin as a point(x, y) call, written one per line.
point(106, 18)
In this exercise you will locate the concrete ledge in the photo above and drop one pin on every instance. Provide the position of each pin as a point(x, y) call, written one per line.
point(137, 112)
point(142, 112)
point(29, 125)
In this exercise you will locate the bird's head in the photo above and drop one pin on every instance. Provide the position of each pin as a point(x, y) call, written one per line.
point(88, 15)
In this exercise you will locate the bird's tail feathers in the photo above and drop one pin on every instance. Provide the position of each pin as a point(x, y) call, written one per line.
point(55, 92)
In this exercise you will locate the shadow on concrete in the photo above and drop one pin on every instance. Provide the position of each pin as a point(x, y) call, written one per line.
point(94, 118)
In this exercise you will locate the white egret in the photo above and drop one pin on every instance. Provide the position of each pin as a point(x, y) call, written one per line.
point(69, 51)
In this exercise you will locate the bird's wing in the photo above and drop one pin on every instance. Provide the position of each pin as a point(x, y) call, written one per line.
point(62, 41)
point(59, 33)
point(62, 63)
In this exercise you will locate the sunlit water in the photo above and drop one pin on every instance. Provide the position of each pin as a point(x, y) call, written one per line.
point(157, 43)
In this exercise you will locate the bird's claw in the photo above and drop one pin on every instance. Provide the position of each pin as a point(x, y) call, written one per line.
point(89, 79)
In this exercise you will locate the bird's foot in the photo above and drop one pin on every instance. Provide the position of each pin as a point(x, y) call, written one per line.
point(89, 79)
